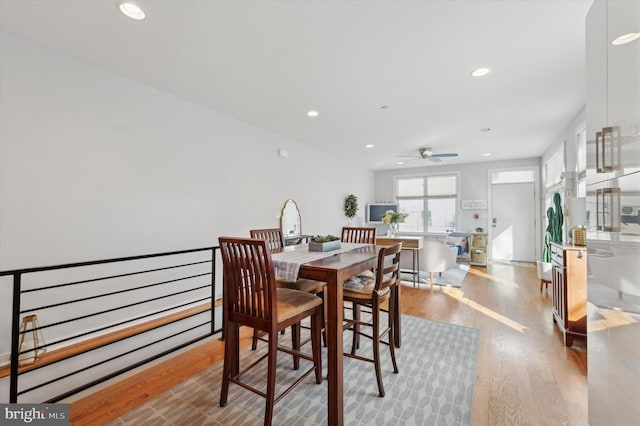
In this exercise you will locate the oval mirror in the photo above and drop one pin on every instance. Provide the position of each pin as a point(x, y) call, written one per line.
point(290, 219)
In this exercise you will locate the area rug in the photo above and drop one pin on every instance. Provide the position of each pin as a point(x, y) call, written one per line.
point(453, 277)
point(435, 386)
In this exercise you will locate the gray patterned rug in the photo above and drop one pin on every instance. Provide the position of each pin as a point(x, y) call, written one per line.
point(437, 363)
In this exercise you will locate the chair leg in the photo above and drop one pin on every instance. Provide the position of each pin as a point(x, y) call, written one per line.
point(541, 283)
point(392, 329)
point(375, 308)
point(316, 330)
point(254, 340)
point(271, 378)
point(355, 342)
point(323, 316)
point(295, 344)
point(231, 354)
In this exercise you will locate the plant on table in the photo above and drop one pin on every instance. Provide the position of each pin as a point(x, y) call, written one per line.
point(391, 216)
point(324, 238)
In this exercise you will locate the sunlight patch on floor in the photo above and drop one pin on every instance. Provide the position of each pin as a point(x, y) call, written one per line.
point(611, 318)
point(493, 278)
point(458, 294)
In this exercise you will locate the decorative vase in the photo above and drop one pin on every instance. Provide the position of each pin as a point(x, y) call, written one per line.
point(394, 227)
point(31, 347)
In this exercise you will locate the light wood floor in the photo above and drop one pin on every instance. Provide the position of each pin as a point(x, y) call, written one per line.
point(525, 376)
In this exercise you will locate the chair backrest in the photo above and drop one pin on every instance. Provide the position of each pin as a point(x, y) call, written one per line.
point(388, 269)
point(249, 282)
point(273, 237)
point(435, 256)
point(366, 235)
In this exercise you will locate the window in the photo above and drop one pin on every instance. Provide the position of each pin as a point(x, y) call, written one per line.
point(581, 137)
point(431, 202)
point(512, 176)
point(553, 170)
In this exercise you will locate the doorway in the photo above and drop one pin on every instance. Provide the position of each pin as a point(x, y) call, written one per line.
point(513, 216)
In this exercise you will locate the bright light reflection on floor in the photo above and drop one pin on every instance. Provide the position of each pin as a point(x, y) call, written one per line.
point(458, 294)
point(612, 318)
point(493, 278)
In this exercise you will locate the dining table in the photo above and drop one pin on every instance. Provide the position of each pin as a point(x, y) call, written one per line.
point(334, 270)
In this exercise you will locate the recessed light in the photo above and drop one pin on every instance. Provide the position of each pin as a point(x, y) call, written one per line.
point(480, 72)
point(132, 10)
point(485, 129)
point(369, 146)
point(487, 154)
point(400, 163)
point(624, 39)
point(313, 113)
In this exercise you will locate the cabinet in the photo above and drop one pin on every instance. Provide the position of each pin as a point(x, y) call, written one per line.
point(478, 248)
point(613, 211)
point(569, 282)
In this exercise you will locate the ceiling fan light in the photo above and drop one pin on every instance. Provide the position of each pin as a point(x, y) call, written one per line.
point(131, 10)
point(480, 72)
point(626, 38)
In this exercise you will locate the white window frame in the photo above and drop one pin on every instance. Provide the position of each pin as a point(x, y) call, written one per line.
point(425, 176)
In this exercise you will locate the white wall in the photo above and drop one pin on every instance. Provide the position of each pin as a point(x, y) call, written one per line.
point(94, 165)
point(566, 143)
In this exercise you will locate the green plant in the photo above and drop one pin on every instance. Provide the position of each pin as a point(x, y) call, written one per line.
point(479, 229)
point(553, 232)
point(391, 216)
point(350, 206)
point(324, 238)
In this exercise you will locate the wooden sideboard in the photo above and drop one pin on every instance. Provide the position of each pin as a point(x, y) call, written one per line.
point(569, 282)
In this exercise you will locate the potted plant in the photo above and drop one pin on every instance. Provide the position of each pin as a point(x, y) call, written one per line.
point(393, 219)
point(553, 233)
point(324, 243)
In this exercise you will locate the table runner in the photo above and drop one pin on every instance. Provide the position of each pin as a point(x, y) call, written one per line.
point(287, 263)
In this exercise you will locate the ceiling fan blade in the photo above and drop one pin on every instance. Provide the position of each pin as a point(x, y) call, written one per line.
point(448, 154)
point(408, 156)
point(434, 158)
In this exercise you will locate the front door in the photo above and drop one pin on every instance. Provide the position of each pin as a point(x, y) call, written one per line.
point(513, 222)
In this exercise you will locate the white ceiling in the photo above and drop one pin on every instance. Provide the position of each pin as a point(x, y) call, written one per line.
point(268, 62)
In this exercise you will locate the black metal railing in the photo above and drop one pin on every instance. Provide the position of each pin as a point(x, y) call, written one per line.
point(77, 302)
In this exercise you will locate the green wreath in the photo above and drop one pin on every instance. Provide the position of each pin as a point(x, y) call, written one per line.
point(350, 206)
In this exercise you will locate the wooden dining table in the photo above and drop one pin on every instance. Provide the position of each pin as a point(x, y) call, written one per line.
point(335, 270)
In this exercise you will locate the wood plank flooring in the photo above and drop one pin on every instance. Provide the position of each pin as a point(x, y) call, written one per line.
point(525, 376)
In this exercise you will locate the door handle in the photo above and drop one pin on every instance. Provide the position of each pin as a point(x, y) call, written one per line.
point(494, 222)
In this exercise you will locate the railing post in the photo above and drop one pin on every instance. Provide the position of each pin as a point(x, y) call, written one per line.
point(15, 339)
point(213, 290)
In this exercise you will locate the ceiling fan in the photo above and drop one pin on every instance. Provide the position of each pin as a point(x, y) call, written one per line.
point(427, 154)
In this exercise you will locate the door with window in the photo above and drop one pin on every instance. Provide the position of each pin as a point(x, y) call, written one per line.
point(513, 216)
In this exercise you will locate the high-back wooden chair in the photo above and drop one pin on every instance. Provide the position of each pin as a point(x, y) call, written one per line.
point(365, 235)
point(372, 291)
point(252, 299)
point(273, 237)
point(275, 241)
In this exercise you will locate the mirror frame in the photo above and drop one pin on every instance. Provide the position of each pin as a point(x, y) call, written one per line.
point(288, 204)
